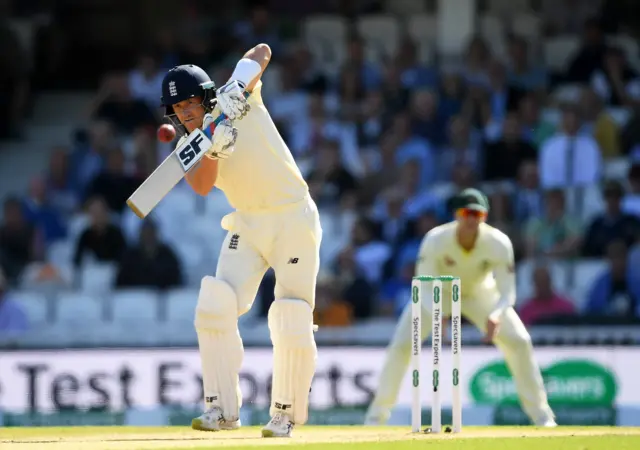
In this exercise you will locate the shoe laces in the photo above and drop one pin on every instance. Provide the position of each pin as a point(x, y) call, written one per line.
point(216, 412)
point(277, 418)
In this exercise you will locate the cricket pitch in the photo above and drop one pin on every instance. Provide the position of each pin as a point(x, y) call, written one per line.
point(321, 437)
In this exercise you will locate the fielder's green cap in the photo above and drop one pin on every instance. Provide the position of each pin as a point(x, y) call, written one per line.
point(471, 198)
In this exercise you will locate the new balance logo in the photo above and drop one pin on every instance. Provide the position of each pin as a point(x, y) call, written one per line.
point(172, 89)
point(293, 261)
point(211, 399)
point(233, 242)
point(281, 406)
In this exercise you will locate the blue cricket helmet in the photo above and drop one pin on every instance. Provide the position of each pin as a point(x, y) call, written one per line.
point(184, 82)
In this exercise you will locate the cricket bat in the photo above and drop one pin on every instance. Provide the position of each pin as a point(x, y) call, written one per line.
point(172, 169)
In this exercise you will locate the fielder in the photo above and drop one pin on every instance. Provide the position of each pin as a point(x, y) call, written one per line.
point(476, 252)
point(275, 224)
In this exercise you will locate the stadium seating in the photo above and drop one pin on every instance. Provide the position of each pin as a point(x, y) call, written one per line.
point(423, 29)
point(381, 35)
point(87, 306)
point(325, 37)
point(79, 309)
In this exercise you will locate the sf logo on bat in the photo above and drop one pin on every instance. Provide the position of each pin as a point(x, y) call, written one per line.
point(193, 149)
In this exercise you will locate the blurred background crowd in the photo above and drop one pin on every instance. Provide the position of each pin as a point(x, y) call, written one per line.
point(389, 107)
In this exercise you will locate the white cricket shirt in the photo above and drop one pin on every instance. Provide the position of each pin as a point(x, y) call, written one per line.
point(261, 173)
point(488, 266)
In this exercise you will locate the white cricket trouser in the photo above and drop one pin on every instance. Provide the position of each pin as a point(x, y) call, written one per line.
point(286, 239)
point(512, 339)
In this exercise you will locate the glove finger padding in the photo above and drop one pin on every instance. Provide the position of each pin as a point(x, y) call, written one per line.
point(236, 107)
point(243, 106)
point(223, 138)
point(232, 101)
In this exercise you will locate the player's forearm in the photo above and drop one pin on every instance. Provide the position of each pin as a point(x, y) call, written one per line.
point(261, 54)
point(502, 305)
point(506, 284)
point(203, 177)
point(247, 71)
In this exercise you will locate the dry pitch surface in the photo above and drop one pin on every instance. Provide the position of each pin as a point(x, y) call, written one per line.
point(355, 437)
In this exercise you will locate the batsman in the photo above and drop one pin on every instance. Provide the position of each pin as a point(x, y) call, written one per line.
point(482, 257)
point(275, 224)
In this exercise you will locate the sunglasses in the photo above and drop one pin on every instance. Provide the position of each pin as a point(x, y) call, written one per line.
point(465, 213)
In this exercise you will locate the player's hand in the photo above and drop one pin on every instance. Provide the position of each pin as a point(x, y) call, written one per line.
point(223, 139)
point(493, 326)
point(231, 100)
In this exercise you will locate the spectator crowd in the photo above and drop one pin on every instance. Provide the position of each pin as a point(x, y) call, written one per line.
point(384, 145)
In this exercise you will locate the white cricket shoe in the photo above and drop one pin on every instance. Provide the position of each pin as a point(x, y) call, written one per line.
point(280, 425)
point(213, 420)
point(549, 423)
point(376, 418)
point(546, 419)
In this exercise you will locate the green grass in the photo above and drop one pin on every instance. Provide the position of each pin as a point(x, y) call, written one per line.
point(355, 437)
point(551, 443)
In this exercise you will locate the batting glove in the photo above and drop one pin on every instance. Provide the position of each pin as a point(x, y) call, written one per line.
point(231, 100)
point(223, 138)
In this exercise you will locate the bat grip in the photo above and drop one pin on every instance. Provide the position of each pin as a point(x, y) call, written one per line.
point(222, 117)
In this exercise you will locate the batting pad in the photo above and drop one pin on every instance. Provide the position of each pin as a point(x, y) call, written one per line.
point(294, 357)
point(221, 350)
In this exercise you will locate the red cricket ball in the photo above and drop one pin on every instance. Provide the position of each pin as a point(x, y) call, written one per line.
point(166, 133)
